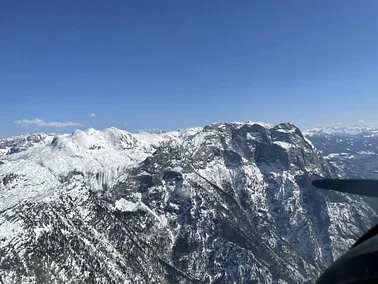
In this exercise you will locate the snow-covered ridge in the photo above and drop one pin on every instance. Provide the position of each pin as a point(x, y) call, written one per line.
point(21, 143)
point(342, 131)
point(116, 137)
point(92, 144)
point(38, 164)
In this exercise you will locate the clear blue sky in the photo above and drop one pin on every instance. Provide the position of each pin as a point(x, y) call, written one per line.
point(174, 64)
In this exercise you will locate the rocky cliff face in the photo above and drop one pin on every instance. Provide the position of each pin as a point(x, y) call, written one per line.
point(227, 203)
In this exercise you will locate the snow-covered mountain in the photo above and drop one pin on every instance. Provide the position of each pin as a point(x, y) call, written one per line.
point(227, 203)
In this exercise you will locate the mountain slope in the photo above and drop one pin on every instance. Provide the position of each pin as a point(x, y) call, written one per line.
point(231, 202)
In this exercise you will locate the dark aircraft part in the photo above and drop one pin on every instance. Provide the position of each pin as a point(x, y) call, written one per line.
point(355, 186)
point(360, 263)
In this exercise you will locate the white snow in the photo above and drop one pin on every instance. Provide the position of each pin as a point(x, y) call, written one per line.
point(286, 130)
point(366, 153)
point(263, 124)
point(332, 155)
point(284, 145)
point(9, 230)
point(39, 231)
point(126, 205)
point(99, 155)
point(255, 136)
point(310, 143)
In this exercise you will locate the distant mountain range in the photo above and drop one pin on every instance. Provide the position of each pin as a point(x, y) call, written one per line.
point(342, 130)
point(226, 203)
point(352, 149)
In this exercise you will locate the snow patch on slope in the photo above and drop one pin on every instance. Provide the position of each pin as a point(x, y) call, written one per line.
point(285, 145)
point(9, 230)
point(126, 205)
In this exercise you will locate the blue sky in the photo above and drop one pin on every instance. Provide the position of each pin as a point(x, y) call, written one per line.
point(175, 64)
